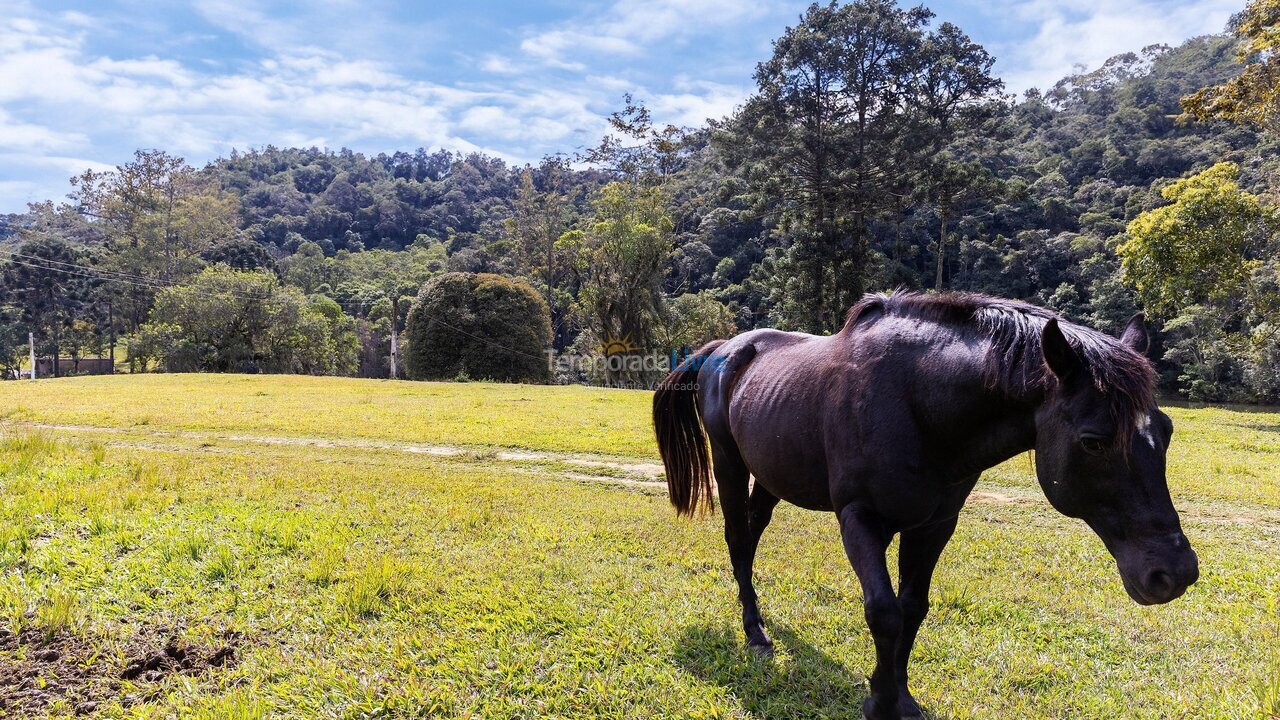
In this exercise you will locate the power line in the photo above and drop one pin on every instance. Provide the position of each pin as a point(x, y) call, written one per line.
point(94, 273)
point(89, 275)
point(142, 280)
point(133, 276)
point(97, 274)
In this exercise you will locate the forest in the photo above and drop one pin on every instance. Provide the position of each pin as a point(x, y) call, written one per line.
point(877, 152)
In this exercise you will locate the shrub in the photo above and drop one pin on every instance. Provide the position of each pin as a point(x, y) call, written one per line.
point(478, 325)
point(226, 320)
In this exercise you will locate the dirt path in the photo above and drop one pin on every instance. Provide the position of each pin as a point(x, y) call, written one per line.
point(588, 468)
point(629, 467)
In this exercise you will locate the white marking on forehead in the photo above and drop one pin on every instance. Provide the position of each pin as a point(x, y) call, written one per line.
point(1144, 429)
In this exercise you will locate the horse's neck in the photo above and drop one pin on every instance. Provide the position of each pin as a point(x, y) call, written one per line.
point(982, 426)
point(997, 440)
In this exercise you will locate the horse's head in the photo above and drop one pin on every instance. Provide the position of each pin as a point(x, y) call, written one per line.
point(1110, 471)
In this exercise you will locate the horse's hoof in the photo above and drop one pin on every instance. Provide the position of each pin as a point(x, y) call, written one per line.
point(909, 710)
point(761, 649)
point(871, 710)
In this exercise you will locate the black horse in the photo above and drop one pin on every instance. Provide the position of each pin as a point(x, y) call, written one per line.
point(889, 422)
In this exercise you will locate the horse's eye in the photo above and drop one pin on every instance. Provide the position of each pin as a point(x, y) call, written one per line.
point(1094, 445)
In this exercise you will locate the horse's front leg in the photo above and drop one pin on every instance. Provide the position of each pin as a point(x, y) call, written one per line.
point(917, 557)
point(865, 541)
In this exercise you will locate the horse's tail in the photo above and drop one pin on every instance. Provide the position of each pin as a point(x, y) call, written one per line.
point(682, 442)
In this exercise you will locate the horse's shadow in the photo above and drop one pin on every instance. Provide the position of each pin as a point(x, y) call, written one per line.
point(810, 683)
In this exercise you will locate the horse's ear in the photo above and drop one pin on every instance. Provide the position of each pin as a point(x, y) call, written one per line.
point(1061, 358)
point(1135, 334)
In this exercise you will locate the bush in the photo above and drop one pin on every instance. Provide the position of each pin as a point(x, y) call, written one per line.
point(478, 325)
point(227, 320)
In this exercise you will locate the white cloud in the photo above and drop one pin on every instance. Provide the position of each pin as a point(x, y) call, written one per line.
point(303, 96)
point(499, 65)
point(553, 46)
point(73, 17)
point(1087, 32)
point(333, 71)
point(629, 27)
point(150, 67)
point(654, 20)
point(316, 25)
point(697, 101)
point(63, 164)
point(16, 135)
point(501, 122)
point(15, 194)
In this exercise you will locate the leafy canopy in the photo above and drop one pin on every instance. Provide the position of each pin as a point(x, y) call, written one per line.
point(478, 325)
point(1201, 248)
point(1254, 95)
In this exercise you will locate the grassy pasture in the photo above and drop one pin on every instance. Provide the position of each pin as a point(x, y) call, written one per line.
point(228, 546)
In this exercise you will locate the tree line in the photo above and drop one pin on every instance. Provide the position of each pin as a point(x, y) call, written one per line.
point(878, 151)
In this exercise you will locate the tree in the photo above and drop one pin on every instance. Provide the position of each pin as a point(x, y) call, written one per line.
point(541, 217)
point(240, 253)
point(13, 342)
point(626, 247)
point(343, 342)
point(1201, 248)
point(309, 269)
point(694, 319)
point(48, 286)
point(234, 321)
point(1205, 263)
point(950, 98)
point(478, 325)
point(377, 286)
point(853, 98)
point(157, 215)
point(951, 185)
point(1253, 96)
point(637, 151)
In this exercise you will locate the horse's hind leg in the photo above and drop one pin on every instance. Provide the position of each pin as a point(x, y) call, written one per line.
point(745, 516)
point(760, 512)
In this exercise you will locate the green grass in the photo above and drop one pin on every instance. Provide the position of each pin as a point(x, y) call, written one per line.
point(364, 580)
point(565, 419)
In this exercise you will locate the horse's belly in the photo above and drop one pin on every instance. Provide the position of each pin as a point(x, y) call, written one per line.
point(797, 486)
point(777, 430)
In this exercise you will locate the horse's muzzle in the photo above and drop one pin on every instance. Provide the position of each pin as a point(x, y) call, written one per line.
point(1154, 578)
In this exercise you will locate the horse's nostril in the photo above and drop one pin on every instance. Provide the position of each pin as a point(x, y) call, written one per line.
point(1160, 584)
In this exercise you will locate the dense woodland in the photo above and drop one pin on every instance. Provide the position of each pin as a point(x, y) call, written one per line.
point(878, 152)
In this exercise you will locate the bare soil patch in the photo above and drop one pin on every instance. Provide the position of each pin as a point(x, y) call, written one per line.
point(38, 671)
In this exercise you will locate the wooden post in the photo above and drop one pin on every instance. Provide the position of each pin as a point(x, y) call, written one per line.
point(395, 341)
point(31, 339)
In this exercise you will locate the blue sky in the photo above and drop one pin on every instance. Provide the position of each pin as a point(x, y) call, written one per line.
point(83, 84)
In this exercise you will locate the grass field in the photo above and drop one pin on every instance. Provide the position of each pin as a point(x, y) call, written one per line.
point(229, 546)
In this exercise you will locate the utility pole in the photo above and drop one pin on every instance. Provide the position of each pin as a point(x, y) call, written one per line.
point(111, 334)
point(395, 341)
point(31, 339)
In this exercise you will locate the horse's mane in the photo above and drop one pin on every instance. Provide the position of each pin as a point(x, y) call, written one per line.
point(1015, 362)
